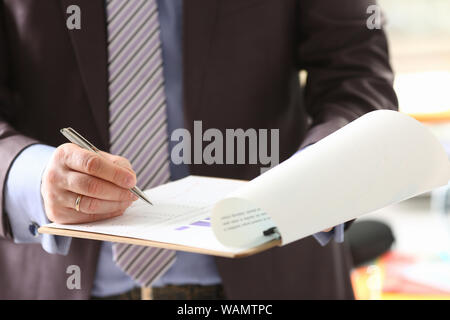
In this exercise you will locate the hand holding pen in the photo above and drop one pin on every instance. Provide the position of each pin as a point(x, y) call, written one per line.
point(81, 186)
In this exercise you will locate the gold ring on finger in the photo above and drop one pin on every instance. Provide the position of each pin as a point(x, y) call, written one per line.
point(77, 203)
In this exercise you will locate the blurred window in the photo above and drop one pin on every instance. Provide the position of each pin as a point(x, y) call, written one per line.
point(419, 37)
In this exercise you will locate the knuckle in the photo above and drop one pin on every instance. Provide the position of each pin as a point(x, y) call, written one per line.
point(62, 153)
point(52, 197)
point(52, 176)
point(73, 181)
point(91, 163)
point(93, 186)
point(117, 176)
point(92, 205)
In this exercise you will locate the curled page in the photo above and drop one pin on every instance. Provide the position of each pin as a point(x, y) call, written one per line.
point(379, 159)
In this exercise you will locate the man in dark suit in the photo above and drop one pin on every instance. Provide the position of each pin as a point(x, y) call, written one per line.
point(229, 63)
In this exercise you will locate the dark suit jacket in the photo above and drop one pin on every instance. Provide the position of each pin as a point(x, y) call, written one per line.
point(241, 64)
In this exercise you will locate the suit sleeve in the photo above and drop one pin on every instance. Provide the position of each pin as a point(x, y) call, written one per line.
point(348, 67)
point(11, 141)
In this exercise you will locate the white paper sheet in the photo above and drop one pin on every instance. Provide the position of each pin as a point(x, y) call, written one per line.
point(379, 159)
point(180, 215)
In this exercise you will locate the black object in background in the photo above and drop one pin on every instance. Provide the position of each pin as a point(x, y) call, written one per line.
point(368, 239)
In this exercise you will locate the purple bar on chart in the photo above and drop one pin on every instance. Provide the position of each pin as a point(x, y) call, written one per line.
point(201, 224)
point(182, 228)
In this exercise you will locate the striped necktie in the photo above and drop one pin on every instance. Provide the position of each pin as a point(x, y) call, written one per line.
point(137, 113)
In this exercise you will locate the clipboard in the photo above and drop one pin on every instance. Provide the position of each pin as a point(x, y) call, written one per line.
point(299, 197)
point(164, 245)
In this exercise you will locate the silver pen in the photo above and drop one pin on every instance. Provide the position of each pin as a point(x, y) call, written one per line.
point(80, 141)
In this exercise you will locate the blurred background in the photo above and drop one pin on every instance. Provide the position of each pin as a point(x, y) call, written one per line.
point(403, 251)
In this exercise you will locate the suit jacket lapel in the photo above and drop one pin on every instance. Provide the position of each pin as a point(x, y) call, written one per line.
point(199, 19)
point(90, 45)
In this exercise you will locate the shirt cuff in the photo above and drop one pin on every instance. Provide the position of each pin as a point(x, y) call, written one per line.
point(23, 201)
point(337, 234)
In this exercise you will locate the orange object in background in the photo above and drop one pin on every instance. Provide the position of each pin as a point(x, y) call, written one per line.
point(443, 116)
point(403, 277)
point(367, 282)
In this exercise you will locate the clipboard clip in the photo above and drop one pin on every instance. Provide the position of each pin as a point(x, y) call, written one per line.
point(271, 231)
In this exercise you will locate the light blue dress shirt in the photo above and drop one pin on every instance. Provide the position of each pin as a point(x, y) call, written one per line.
point(22, 190)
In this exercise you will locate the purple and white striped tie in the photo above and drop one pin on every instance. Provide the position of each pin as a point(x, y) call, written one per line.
point(137, 116)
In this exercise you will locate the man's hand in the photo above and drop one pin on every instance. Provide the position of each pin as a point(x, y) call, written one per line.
point(102, 181)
